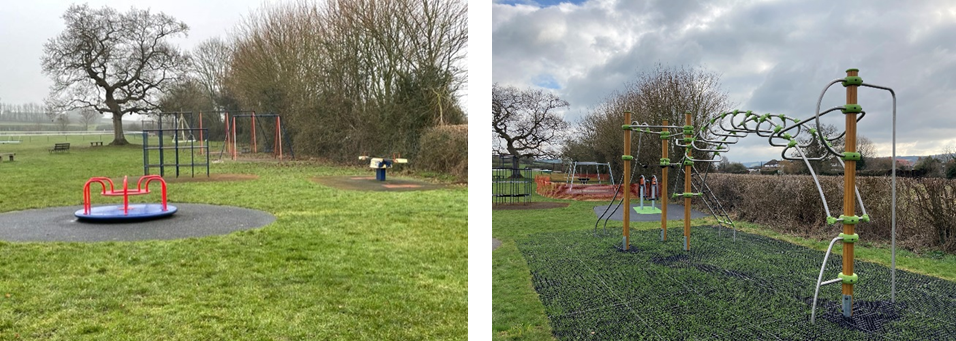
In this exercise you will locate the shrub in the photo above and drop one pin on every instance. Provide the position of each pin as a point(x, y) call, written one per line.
point(444, 149)
point(791, 204)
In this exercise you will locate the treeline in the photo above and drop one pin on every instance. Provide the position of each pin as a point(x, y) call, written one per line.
point(348, 78)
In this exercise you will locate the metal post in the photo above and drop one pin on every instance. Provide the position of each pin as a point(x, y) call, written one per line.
point(664, 143)
point(687, 189)
point(627, 183)
point(849, 183)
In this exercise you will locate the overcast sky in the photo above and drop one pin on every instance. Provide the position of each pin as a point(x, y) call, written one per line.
point(772, 56)
point(26, 25)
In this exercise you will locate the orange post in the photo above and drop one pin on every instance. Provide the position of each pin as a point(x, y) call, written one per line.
point(664, 143)
point(235, 148)
point(279, 136)
point(627, 181)
point(228, 134)
point(849, 183)
point(687, 190)
point(255, 148)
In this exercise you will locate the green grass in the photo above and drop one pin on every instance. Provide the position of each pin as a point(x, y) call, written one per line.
point(518, 313)
point(335, 264)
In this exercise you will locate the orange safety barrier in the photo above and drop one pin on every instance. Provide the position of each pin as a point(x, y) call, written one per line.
point(561, 190)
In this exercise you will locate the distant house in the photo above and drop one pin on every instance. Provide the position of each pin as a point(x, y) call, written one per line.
point(773, 164)
point(904, 164)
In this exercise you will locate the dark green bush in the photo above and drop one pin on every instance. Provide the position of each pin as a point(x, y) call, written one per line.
point(444, 149)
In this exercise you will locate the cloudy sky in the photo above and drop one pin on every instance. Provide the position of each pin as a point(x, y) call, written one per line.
point(26, 25)
point(772, 56)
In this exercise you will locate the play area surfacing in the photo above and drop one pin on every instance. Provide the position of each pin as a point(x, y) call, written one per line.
point(368, 183)
point(193, 220)
point(752, 289)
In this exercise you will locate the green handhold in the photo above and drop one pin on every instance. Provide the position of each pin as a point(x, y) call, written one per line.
point(849, 279)
point(865, 218)
point(852, 156)
point(852, 80)
point(688, 162)
point(627, 157)
point(792, 143)
point(850, 220)
point(777, 129)
point(626, 127)
point(831, 220)
point(852, 109)
point(850, 238)
point(665, 135)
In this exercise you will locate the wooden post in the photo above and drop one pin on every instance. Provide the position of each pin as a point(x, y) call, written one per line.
point(664, 143)
point(849, 184)
point(627, 183)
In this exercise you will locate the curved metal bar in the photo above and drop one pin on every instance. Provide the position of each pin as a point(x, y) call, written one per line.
point(816, 292)
point(893, 204)
point(816, 116)
point(816, 181)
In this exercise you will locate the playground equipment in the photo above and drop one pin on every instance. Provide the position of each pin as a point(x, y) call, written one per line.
point(242, 139)
point(126, 212)
point(380, 164)
point(510, 185)
point(182, 140)
point(689, 170)
point(727, 128)
point(584, 178)
point(648, 190)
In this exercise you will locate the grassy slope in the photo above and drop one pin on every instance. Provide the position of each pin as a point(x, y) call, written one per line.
point(518, 313)
point(335, 264)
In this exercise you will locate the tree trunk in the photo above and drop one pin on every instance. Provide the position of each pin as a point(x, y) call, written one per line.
point(515, 170)
point(119, 139)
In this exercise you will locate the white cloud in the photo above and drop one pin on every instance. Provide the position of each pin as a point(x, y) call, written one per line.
point(773, 56)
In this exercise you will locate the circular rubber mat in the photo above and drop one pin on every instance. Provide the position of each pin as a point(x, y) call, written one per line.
point(191, 220)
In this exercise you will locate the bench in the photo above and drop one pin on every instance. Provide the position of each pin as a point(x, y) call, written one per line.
point(60, 147)
point(96, 143)
point(8, 155)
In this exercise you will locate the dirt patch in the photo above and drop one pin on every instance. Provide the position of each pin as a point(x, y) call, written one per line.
point(368, 183)
point(495, 244)
point(530, 206)
point(212, 178)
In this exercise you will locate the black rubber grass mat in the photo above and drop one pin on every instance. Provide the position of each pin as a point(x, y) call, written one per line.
point(754, 288)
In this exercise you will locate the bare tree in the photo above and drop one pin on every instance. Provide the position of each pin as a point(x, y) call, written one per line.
point(88, 116)
point(112, 62)
point(62, 122)
point(212, 61)
point(526, 121)
point(664, 93)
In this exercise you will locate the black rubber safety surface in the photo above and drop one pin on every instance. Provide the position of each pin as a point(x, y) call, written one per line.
point(725, 288)
point(674, 212)
point(192, 220)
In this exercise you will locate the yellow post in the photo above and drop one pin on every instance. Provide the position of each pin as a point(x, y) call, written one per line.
point(687, 190)
point(849, 183)
point(627, 182)
point(664, 143)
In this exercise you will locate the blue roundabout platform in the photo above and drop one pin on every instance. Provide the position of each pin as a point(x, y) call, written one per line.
point(135, 212)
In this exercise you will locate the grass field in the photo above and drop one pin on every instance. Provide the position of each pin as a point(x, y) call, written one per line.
point(552, 279)
point(335, 265)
